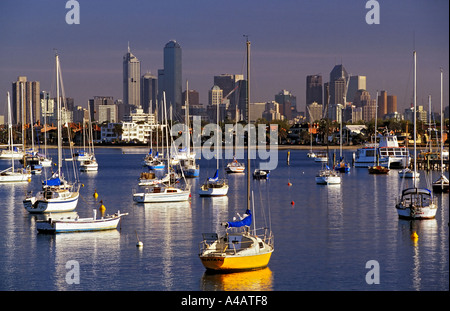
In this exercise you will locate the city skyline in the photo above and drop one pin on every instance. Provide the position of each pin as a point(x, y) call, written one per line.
point(290, 40)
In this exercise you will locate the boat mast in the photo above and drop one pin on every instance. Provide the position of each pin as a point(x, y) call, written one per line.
point(10, 133)
point(415, 102)
point(58, 111)
point(248, 124)
point(442, 127)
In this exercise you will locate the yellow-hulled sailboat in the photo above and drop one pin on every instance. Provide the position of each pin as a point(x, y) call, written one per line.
point(239, 248)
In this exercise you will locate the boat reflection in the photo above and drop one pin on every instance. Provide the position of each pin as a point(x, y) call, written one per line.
point(256, 280)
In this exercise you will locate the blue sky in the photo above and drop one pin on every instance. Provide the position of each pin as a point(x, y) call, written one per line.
point(290, 40)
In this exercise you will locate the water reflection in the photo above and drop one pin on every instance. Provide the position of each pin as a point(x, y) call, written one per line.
point(257, 280)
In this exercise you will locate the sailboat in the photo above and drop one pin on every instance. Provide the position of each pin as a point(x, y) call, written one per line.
point(239, 248)
point(163, 192)
point(12, 175)
point(327, 176)
point(57, 194)
point(376, 168)
point(442, 183)
point(415, 202)
point(215, 186)
point(90, 164)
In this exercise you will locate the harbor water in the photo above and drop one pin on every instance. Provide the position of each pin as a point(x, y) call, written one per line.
point(327, 238)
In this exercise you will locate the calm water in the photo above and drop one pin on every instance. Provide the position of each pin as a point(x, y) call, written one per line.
point(322, 242)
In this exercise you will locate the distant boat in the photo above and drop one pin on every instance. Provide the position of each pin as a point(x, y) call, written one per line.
point(321, 156)
point(261, 174)
point(378, 169)
point(90, 164)
point(214, 186)
point(408, 173)
point(161, 193)
point(327, 177)
point(67, 225)
point(415, 202)
point(11, 174)
point(235, 167)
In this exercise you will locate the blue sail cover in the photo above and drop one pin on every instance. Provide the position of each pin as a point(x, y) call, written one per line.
point(53, 182)
point(247, 221)
point(215, 178)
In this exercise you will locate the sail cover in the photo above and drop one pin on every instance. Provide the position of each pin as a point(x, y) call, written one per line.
point(246, 221)
point(53, 182)
point(215, 178)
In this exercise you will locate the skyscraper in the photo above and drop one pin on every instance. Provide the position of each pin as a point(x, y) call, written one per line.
point(338, 90)
point(355, 84)
point(149, 91)
point(131, 79)
point(313, 96)
point(170, 79)
point(287, 104)
point(382, 104)
point(30, 90)
point(314, 89)
point(391, 103)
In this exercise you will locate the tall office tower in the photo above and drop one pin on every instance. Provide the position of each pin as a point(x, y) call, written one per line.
point(95, 104)
point(369, 110)
point(355, 84)
point(287, 104)
point(23, 92)
point(313, 112)
point(314, 89)
point(194, 98)
point(131, 79)
point(382, 104)
point(215, 96)
point(338, 90)
point(228, 83)
point(149, 92)
point(241, 100)
point(170, 79)
point(391, 103)
point(48, 107)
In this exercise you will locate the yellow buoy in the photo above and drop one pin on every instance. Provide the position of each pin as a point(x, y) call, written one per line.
point(414, 236)
point(95, 194)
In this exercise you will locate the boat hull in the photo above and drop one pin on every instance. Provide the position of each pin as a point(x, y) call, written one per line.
point(15, 177)
point(66, 226)
point(236, 263)
point(161, 197)
point(428, 212)
point(213, 192)
point(57, 205)
point(328, 180)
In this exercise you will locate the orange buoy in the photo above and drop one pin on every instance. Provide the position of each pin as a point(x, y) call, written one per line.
point(289, 184)
point(292, 203)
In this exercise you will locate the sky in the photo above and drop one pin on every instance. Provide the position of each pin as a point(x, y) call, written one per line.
point(290, 39)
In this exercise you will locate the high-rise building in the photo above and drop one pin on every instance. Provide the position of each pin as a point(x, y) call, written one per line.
point(287, 104)
point(314, 112)
point(24, 92)
point(96, 102)
point(382, 104)
point(149, 92)
point(391, 104)
point(314, 89)
point(228, 84)
point(355, 84)
point(337, 90)
point(131, 79)
point(170, 79)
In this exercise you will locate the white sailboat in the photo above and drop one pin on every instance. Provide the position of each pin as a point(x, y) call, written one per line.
point(239, 248)
point(214, 186)
point(57, 194)
point(69, 225)
point(11, 174)
point(415, 202)
point(90, 164)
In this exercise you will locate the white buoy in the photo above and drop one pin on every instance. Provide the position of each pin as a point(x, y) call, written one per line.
point(139, 243)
